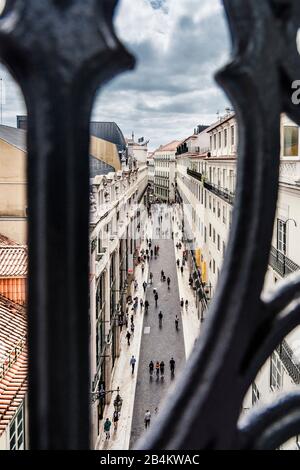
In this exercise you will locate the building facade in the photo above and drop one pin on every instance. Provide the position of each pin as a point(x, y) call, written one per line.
point(13, 376)
point(13, 270)
point(116, 228)
point(206, 188)
point(165, 171)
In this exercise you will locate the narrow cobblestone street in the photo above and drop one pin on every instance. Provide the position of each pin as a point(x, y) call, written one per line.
point(158, 344)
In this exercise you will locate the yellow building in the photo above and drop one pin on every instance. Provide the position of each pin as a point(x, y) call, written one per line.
point(104, 157)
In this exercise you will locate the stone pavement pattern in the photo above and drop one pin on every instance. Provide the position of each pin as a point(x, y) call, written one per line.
point(161, 343)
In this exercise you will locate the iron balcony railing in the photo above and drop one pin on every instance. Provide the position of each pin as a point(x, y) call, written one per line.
point(281, 263)
point(194, 174)
point(287, 357)
point(224, 194)
point(11, 358)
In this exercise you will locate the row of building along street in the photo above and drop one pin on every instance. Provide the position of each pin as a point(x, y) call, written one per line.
point(159, 227)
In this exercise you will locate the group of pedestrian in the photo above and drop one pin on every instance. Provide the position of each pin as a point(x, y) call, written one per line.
point(184, 303)
point(159, 368)
point(163, 278)
point(108, 423)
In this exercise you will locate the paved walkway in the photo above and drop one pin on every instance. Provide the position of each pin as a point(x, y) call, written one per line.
point(164, 342)
point(158, 343)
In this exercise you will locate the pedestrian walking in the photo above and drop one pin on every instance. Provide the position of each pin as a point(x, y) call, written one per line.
point(157, 368)
point(162, 369)
point(132, 363)
point(135, 285)
point(151, 368)
point(146, 306)
point(144, 286)
point(168, 282)
point(151, 254)
point(143, 267)
point(151, 278)
point(132, 328)
point(116, 419)
point(156, 299)
point(128, 336)
point(160, 318)
point(162, 275)
point(172, 365)
point(131, 319)
point(107, 426)
point(186, 304)
point(176, 322)
point(147, 419)
point(141, 304)
point(178, 263)
point(181, 269)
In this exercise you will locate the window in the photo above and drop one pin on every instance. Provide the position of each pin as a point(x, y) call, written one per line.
point(275, 372)
point(255, 394)
point(16, 431)
point(215, 141)
point(225, 137)
point(219, 210)
point(210, 142)
point(232, 135)
point(219, 242)
point(224, 215)
point(214, 266)
point(291, 141)
point(214, 236)
point(220, 139)
point(205, 234)
point(281, 236)
point(210, 230)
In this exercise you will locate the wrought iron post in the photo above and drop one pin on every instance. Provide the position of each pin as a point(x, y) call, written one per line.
point(59, 52)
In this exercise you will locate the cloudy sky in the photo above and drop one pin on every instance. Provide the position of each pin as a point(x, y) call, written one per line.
point(179, 44)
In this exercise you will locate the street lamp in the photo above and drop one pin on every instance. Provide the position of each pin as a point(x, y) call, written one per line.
point(290, 220)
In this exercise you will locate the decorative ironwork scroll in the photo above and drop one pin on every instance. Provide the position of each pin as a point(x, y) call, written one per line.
point(60, 51)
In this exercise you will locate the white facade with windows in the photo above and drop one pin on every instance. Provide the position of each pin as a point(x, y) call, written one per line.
point(116, 227)
point(164, 171)
point(206, 186)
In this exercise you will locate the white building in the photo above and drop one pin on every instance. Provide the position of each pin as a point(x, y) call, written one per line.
point(206, 186)
point(137, 151)
point(116, 227)
point(165, 171)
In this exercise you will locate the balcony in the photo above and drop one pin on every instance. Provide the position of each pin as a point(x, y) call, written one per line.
point(194, 174)
point(288, 359)
point(281, 263)
point(224, 194)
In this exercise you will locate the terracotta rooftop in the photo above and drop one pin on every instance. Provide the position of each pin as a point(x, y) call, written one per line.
point(13, 375)
point(7, 241)
point(13, 260)
point(170, 147)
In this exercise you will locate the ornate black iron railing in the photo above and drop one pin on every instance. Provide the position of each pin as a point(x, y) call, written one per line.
point(194, 174)
point(281, 263)
point(60, 52)
point(224, 194)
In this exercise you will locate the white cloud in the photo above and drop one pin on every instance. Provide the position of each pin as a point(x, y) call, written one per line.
point(179, 48)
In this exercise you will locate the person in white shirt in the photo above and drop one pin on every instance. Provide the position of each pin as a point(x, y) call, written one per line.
point(147, 419)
